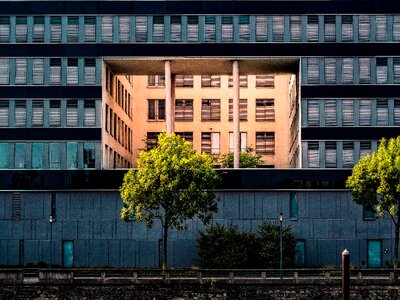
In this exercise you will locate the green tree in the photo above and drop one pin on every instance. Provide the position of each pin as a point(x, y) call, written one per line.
point(172, 184)
point(375, 184)
point(247, 159)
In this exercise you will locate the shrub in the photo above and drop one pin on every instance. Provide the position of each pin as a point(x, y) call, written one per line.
point(247, 159)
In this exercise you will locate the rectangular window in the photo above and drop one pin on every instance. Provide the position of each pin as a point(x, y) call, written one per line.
point(37, 155)
point(55, 29)
point(90, 71)
point(107, 29)
point(313, 113)
point(55, 113)
point(19, 155)
point(176, 29)
point(20, 113)
point(38, 71)
point(348, 154)
point(381, 70)
point(381, 28)
point(293, 205)
point(242, 81)
point(38, 29)
point(21, 30)
point(184, 109)
point(313, 154)
point(363, 28)
point(20, 70)
point(347, 28)
point(396, 28)
point(365, 112)
point(4, 71)
point(4, 29)
point(368, 214)
point(155, 80)
point(141, 29)
point(330, 70)
point(242, 110)
point(382, 113)
point(244, 28)
point(227, 29)
point(37, 113)
point(330, 28)
point(374, 251)
point(158, 29)
point(265, 110)
point(89, 156)
point(89, 116)
point(54, 156)
point(4, 156)
point(265, 143)
point(124, 28)
point(55, 71)
point(183, 81)
point(330, 155)
point(209, 29)
point(312, 28)
point(261, 28)
point(72, 155)
point(365, 148)
point(4, 113)
point(396, 112)
point(330, 112)
point(313, 70)
point(348, 112)
point(210, 81)
point(188, 136)
point(295, 28)
point(210, 109)
point(152, 140)
point(72, 71)
point(192, 29)
point(90, 29)
point(16, 206)
point(243, 141)
point(210, 142)
point(73, 30)
point(156, 109)
point(267, 81)
point(300, 253)
point(68, 254)
point(347, 70)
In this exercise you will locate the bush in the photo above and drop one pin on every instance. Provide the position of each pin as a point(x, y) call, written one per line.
point(247, 159)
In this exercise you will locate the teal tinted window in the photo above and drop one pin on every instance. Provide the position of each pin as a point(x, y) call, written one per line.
point(19, 155)
point(293, 205)
point(68, 254)
point(374, 248)
point(88, 155)
point(368, 214)
point(72, 155)
point(4, 156)
point(54, 156)
point(37, 155)
point(300, 253)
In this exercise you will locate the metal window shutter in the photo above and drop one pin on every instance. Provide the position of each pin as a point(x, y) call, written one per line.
point(381, 28)
point(381, 70)
point(73, 29)
point(205, 80)
point(277, 28)
point(206, 142)
point(20, 70)
point(244, 29)
point(38, 71)
point(364, 28)
point(330, 70)
point(158, 29)
point(313, 113)
point(265, 80)
point(89, 116)
point(347, 28)
point(330, 112)
point(141, 29)
point(313, 154)
point(265, 142)
point(396, 70)
point(4, 71)
point(365, 149)
point(347, 70)
point(295, 28)
point(396, 112)
point(396, 28)
point(176, 29)
point(55, 33)
point(330, 155)
point(72, 71)
point(193, 29)
point(313, 70)
point(4, 111)
point(348, 154)
point(382, 113)
point(38, 29)
point(312, 29)
point(365, 69)
point(242, 109)
point(261, 29)
point(20, 113)
point(16, 206)
point(4, 29)
point(90, 71)
point(227, 29)
point(90, 29)
point(37, 113)
point(55, 113)
point(329, 28)
point(106, 29)
point(265, 110)
point(365, 112)
point(348, 112)
point(72, 113)
point(124, 28)
point(209, 29)
point(242, 81)
point(21, 30)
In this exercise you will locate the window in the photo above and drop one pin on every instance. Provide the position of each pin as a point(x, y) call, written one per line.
point(209, 29)
point(192, 29)
point(37, 155)
point(124, 29)
point(363, 28)
point(20, 70)
point(90, 29)
point(210, 81)
point(368, 214)
point(242, 81)
point(313, 113)
point(184, 109)
point(210, 142)
point(242, 110)
point(265, 110)
point(55, 29)
point(68, 254)
point(55, 70)
point(4, 29)
point(156, 80)
point(330, 28)
point(152, 140)
point(382, 113)
point(347, 28)
point(347, 70)
point(73, 30)
point(278, 28)
point(396, 28)
point(38, 71)
point(106, 29)
point(348, 154)
point(184, 80)
point(261, 28)
point(265, 81)
point(396, 112)
point(312, 28)
point(330, 70)
point(176, 29)
point(4, 113)
point(54, 156)
point(16, 206)
point(90, 71)
point(227, 29)
point(348, 112)
point(21, 30)
point(141, 29)
point(88, 156)
point(4, 156)
point(37, 113)
point(188, 136)
point(72, 155)
point(313, 154)
point(210, 109)
point(72, 113)
point(330, 112)
point(374, 253)
point(295, 28)
point(243, 141)
point(293, 205)
point(365, 149)
point(365, 112)
point(381, 70)
point(38, 29)
point(381, 28)
point(330, 155)
point(55, 113)
point(4, 71)
point(20, 113)
point(158, 29)
point(156, 110)
point(313, 70)
point(396, 70)
point(19, 155)
point(89, 116)
point(244, 28)
point(72, 71)
point(265, 143)
point(300, 253)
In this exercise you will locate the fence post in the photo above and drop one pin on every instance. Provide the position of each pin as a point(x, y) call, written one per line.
point(345, 275)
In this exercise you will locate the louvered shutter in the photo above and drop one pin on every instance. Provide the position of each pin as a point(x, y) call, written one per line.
point(330, 28)
point(72, 113)
point(20, 70)
point(313, 70)
point(90, 71)
point(124, 28)
point(38, 29)
point(4, 71)
point(244, 28)
point(330, 70)
point(265, 142)
point(277, 28)
point(330, 155)
point(381, 28)
point(295, 28)
point(396, 112)
point(348, 154)
point(38, 71)
point(37, 113)
point(215, 81)
point(347, 28)
point(158, 29)
point(261, 29)
point(312, 29)
point(347, 113)
point(347, 70)
point(210, 110)
point(21, 30)
point(205, 80)
point(73, 30)
point(89, 118)
point(365, 112)
point(55, 70)
point(265, 81)
point(365, 69)
point(184, 110)
point(72, 71)
point(381, 70)
point(396, 28)
point(4, 29)
point(365, 149)
point(363, 28)
point(313, 113)
point(206, 142)
point(382, 113)
point(141, 29)
point(242, 81)
point(90, 29)
point(55, 113)
point(192, 29)
point(242, 109)
point(20, 113)
point(330, 112)
point(188, 136)
point(209, 29)
point(4, 113)
point(227, 29)
point(107, 29)
point(55, 29)
point(313, 154)
point(396, 70)
point(176, 29)
point(265, 110)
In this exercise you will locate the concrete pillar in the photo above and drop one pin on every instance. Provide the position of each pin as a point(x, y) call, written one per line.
point(169, 95)
point(236, 114)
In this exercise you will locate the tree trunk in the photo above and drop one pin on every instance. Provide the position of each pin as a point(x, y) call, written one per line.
point(396, 240)
point(164, 248)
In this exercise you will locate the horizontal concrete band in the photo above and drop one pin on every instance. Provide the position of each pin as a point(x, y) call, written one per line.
point(349, 133)
point(40, 92)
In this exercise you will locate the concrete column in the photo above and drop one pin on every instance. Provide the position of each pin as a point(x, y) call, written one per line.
point(236, 114)
point(169, 98)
